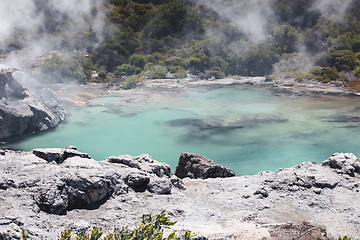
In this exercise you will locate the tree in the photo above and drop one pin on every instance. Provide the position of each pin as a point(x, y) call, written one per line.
point(344, 60)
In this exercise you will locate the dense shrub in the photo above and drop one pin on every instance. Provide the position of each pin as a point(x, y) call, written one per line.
point(174, 69)
point(127, 69)
point(102, 75)
point(327, 74)
point(218, 62)
point(130, 82)
point(199, 61)
point(158, 73)
point(149, 66)
point(215, 73)
point(174, 61)
point(180, 74)
point(168, 21)
point(138, 60)
point(344, 60)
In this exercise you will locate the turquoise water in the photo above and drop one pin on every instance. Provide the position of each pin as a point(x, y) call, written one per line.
point(249, 130)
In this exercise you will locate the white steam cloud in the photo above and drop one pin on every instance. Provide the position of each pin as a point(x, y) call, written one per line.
point(16, 16)
point(250, 17)
point(40, 26)
point(333, 8)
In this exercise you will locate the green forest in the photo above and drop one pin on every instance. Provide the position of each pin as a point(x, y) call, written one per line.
point(172, 38)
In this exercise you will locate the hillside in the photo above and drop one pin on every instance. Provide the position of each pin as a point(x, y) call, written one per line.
point(211, 39)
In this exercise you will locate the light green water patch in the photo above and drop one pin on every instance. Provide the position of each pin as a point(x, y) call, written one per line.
point(249, 130)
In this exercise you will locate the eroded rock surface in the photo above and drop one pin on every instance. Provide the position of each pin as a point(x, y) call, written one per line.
point(46, 191)
point(24, 111)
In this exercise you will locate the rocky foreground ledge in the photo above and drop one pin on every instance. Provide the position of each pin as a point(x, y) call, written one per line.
point(48, 190)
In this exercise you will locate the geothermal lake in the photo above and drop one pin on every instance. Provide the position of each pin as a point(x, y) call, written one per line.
point(248, 129)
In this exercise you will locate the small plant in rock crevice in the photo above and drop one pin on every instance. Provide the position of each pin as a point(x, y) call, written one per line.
point(151, 228)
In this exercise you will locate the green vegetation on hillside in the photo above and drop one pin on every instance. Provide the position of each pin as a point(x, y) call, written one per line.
point(170, 38)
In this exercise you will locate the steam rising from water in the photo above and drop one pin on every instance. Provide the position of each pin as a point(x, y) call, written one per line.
point(40, 26)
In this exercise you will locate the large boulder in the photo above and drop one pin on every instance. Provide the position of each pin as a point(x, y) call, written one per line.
point(65, 179)
point(147, 174)
point(198, 166)
point(24, 111)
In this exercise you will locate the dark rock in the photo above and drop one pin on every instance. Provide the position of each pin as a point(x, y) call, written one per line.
point(177, 182)
point(54, 200)
point(2, 153)
point(50, 154)
point(198, 166)
point(74, 192)
point(317, 191)
point(137, 181)
point(6, 183)
point(68, 153)
point(343, 163)
point(160, 186)
point(125, 160)
point(84, 193)
point(262, 192)
point(58, 155)
point(325, 183)
point(33, 110)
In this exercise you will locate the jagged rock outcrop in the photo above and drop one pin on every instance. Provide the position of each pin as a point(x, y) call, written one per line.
point(198, 166)
point(25, 111)
point(59, 155)
point(143, 162)
point(345, 163)
point(45, 192)
point(67, 179)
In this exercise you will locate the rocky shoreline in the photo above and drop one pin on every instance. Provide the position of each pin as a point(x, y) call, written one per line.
point(281, 85)
point(292, 86)
point(48, 190)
